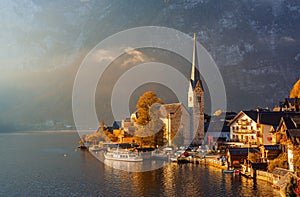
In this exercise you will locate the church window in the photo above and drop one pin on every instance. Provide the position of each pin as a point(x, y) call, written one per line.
point(199, 98)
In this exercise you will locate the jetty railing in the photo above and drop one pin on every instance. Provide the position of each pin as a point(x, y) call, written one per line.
point(263, 175)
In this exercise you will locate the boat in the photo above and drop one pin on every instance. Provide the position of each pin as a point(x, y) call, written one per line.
point(237, 172)
point(228, 171)
point(123, 155)
point(96, 148)
point(82, 147)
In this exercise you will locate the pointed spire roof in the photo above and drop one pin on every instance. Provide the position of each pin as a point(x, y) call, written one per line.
point(195, 74)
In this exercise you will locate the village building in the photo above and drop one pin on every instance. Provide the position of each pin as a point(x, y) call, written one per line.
point(256, 128)
point(288, 135)
point(244, 128)
point(218, 124)
point(177, 121)
point(289, 104)
point(238, 156)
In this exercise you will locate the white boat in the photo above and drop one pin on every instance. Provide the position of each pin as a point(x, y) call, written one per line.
point(96, 148)
point(122, 156)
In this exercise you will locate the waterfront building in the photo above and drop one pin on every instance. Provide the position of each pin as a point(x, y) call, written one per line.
point(243, 128)
point(256, 128)
point(288, 135)
point(238, 156)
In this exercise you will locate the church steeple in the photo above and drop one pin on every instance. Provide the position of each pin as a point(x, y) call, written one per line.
point(195, 80)
point(196, 100)
point(195, 74)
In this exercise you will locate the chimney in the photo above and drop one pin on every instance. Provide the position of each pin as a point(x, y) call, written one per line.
point(280, 105)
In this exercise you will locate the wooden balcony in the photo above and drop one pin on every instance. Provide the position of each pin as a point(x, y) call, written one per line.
point(245, 132)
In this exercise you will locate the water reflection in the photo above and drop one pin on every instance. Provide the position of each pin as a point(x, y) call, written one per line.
point(37, 167)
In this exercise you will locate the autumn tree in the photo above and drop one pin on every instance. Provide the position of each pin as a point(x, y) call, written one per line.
point(295, 92)
point(151, 128)
point(143, 106)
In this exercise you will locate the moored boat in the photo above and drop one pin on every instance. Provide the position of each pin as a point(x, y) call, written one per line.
point(82, 147)
point(96, 148)
point(236, 171)
point(124, 155)
point(228, 171)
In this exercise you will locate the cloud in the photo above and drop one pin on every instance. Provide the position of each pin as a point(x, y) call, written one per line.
point(134, 57)
point(103, 55)
point(288, 39)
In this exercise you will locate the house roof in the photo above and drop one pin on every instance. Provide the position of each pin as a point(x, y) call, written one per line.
point(250, 114)
point(267, 117)
point(271, 118)
point(242, 151)
point(272, 147)
point(294, 132)
point(291, 121)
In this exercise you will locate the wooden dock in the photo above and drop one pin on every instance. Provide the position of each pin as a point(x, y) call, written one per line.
point(202, 161)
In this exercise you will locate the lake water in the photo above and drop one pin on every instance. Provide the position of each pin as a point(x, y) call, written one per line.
point(33, 164)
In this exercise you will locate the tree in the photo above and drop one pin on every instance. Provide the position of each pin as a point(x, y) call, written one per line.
point(150, 127)
point(280, 161)
point(291, 187)
point(295, 92)
point(254, 157)
point(296, 158)
point(143, 106)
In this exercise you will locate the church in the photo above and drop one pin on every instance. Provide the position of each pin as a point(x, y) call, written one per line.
point(184, 122)
point(196, 100)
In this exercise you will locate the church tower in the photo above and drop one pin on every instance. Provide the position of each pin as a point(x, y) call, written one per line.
point(196, 100)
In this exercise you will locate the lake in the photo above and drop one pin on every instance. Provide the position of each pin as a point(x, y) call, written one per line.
point(47, 163)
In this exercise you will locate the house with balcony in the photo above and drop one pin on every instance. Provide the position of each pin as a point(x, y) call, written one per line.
point(256, 128)
point(244, 128)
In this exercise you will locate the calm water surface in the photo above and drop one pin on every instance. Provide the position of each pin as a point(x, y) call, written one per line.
point(33, 164)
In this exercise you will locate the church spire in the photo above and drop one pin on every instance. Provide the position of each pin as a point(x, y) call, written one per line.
point(195, 74)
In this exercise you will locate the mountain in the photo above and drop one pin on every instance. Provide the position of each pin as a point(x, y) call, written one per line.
point(255, 44)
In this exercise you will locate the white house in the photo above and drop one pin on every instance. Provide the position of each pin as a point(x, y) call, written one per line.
point(243, 127)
